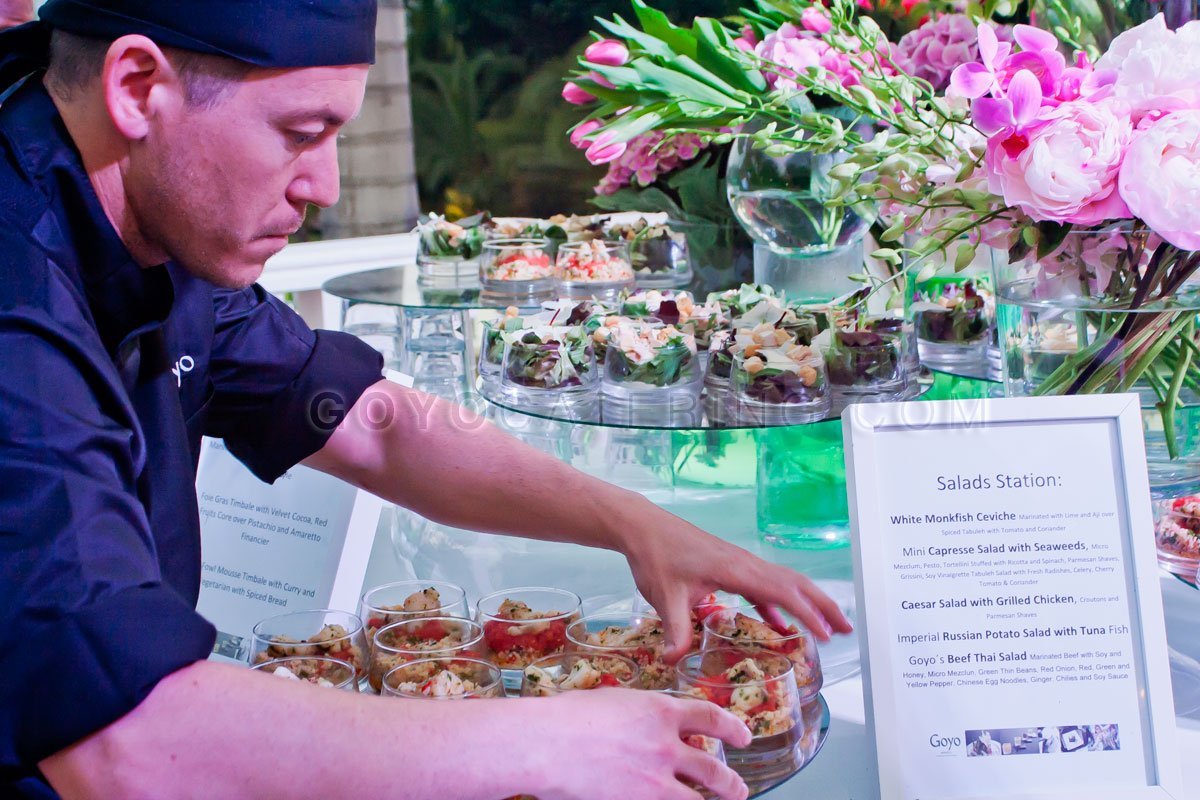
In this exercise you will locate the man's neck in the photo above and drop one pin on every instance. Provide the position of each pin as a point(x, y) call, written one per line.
point(105, 160)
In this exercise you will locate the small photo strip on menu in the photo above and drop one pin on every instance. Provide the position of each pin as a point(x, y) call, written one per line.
point(1042, 740)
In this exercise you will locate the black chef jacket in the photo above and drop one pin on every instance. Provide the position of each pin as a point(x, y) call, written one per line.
point(109, 375)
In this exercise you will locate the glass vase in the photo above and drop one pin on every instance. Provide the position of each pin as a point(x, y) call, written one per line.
point(783, 201)
point(1111, 310)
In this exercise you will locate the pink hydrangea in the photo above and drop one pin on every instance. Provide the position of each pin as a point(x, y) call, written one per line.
point(791, 51)
point(649, 157)
point(935, 49)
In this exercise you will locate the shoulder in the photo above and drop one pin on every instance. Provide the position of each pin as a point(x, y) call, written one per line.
point(32, 280)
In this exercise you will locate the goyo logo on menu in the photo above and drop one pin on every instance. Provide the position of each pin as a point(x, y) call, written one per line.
point(945, 744)
point(183, 366)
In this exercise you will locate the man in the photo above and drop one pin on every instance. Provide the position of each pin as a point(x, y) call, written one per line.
point(15, 12)
point(152, 157)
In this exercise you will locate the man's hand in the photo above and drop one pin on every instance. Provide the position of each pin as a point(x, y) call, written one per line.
point(431, 449)
point(621, 744)
point(675, 565)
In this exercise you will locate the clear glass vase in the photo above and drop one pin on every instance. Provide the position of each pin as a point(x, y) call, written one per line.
point(1111, 310)
point(783, 201)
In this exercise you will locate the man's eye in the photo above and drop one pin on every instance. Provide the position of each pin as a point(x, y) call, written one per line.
point(303, 138)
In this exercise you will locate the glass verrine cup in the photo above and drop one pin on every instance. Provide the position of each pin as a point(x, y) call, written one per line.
point(639, 637)
point(785, 385)
point(444, 678)
point(322, 632)
point(577, 670)
point(517, 270)
point(866, 362)
point(447, 250)
point(659, 255)
point(524, 624)
point(598, 270)
point(652, 376)
point(743, 627)
point(317, 670)
point(393, 602)
point(1177, 534)
point(427, 637)
point(553, 371)
point(757, 686)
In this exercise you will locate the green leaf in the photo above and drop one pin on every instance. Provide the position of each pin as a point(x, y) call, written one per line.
point(634, 124)
point(1052, 235)
point(678, 84)
point(716, 52)
point(649, 200)
point(655, 23)
point(651, 44)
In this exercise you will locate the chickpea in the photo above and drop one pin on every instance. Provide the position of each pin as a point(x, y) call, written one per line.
point(754, 365)
point(808, 376)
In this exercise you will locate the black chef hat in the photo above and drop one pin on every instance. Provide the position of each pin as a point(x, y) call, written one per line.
point(265, 33)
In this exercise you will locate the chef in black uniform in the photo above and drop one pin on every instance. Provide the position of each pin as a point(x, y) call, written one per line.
point(153, 156)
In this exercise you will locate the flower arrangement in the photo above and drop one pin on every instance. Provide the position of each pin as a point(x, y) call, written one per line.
point(1073, 149)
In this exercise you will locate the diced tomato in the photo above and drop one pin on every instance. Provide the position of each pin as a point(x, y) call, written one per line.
point(716, 690)
point(376, 622)
point(431, 629)
point(768, 705)
point(609, 680)
point(550, 639)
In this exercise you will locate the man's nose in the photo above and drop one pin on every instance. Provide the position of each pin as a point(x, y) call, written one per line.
point(319, 181)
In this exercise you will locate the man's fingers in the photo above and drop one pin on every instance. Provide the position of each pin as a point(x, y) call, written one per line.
point(702, 769)
point(828, 607)
point(773, 617)
point(702, 718)
point(677, 625)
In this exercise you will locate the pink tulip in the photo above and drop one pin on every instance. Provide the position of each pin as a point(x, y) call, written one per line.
point(579, 136)
point(607, 52)
point(575, 95)
point(604, 150)
point(600, 80)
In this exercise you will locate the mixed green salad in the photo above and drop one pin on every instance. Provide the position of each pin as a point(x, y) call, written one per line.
point(441, 238)
point(550, 358)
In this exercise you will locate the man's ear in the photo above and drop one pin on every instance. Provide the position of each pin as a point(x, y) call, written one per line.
point(139, 83)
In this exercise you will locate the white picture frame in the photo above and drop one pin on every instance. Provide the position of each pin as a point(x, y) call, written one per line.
point(864, 425)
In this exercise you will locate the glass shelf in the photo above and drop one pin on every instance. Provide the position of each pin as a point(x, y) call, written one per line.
point(403, 287)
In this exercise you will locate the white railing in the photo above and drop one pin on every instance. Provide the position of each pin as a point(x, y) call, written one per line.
point(301, 269)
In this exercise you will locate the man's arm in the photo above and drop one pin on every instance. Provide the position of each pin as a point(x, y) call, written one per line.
point(218, 731)
point(451, 466)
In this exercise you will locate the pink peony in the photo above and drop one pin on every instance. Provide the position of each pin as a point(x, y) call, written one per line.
point(934, 50)
point(1157, 69)
point(1160, 179)
point(607, 52)
point(1065, 166)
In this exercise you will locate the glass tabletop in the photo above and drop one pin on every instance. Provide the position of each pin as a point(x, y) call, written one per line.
point(403, 286)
